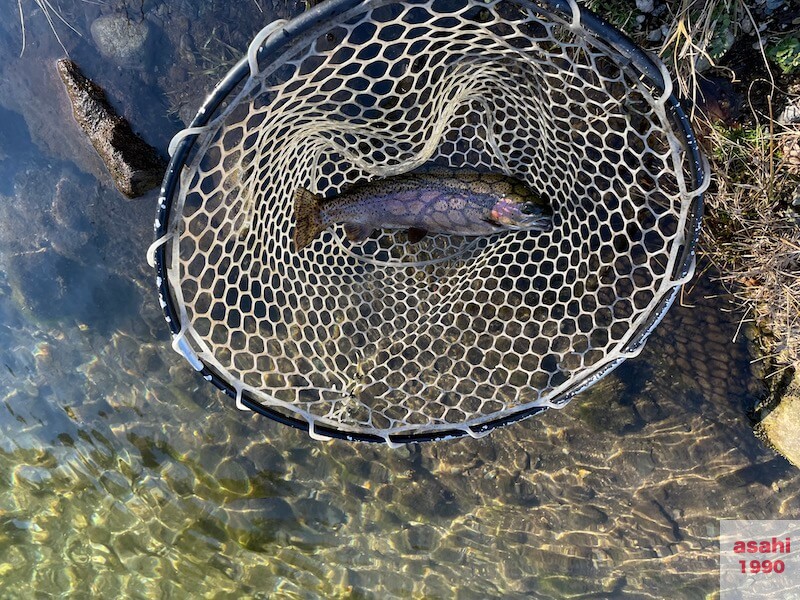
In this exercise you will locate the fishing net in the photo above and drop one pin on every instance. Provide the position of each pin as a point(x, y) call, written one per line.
point(393, 341)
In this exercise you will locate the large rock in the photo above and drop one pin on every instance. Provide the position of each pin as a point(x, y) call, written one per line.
point(780, 428)
point(135, 166)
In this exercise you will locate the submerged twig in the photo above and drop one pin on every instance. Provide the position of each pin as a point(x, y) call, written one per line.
point(49, 11)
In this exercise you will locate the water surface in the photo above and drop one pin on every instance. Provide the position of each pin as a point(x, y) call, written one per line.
point(124, 474)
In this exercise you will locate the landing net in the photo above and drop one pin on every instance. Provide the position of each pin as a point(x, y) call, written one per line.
point(394, 341)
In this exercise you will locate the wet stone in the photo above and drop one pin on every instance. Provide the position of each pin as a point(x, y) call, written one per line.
point(233, 475)
point(257, 522)
point(780, 428)
point(135, 166)
point(320, 514)
point(122, 39)
point(418, 539)
point(35, 477)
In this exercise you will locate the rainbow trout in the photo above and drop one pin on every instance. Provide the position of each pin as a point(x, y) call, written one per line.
point(458, 203)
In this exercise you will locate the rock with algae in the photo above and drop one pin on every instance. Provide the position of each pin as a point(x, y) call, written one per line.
point(135, 166)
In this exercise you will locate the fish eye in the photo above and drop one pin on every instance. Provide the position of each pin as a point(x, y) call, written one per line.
point(528, 208)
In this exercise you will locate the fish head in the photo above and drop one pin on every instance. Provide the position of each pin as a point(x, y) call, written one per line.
point(515, 211)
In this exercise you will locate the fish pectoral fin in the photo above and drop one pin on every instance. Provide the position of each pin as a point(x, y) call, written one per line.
point(357, 232)
point(415, 234)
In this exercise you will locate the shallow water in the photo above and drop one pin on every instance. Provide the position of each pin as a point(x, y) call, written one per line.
point(124, 474)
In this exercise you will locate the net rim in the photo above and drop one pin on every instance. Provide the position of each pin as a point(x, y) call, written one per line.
point(650, 69)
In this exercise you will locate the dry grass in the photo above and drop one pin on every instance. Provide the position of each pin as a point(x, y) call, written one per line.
point(750, 233)
point(700, 31)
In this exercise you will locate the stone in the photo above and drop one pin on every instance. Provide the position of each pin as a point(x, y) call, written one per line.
point(780, 428)
point(256, 523)
point(320, 515)
point(135, 166)
point(790, 115)
point(121, 39)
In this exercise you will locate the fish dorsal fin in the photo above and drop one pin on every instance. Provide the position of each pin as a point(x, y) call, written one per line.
point(356, 232)
point(415, 234)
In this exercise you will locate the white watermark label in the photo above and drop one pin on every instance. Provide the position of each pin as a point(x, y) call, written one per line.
point(759, 560)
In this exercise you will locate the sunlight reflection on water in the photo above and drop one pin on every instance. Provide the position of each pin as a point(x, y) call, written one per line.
point(122, 473)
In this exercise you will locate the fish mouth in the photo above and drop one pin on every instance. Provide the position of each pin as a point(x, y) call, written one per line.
point(541, 224)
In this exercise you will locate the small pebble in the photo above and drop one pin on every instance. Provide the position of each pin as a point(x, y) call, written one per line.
point(773, 5)
point(790, 114)
point(654, 35)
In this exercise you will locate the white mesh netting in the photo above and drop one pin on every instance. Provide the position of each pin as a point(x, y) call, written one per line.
point(451, 333)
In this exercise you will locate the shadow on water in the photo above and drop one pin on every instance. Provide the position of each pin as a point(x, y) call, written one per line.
point(124, 474)
point(58, 289)
point(16, 148)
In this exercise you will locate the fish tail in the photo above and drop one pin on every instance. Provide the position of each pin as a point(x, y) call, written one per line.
point(308, 222)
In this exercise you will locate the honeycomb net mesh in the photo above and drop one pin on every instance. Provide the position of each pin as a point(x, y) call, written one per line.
point(452, 333)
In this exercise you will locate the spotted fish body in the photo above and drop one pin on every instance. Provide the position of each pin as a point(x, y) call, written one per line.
point(457, 203)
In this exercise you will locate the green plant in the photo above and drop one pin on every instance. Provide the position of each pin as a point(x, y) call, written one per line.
point(617, 12)
point(786, 54)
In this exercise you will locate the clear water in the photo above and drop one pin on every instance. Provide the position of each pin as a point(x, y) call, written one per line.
point(122, 474)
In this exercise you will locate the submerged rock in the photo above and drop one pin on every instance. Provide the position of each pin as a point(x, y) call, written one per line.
point(121, 39)
point(256, 523)
point(135, 166)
